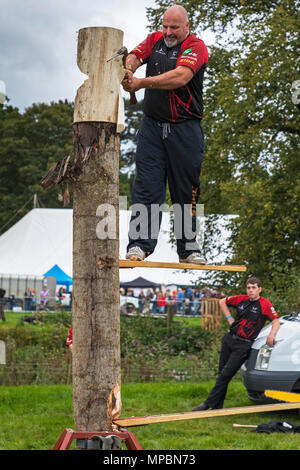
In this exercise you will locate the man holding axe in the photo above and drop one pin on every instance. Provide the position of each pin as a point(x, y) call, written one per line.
point(170, 144)
point(123, 52)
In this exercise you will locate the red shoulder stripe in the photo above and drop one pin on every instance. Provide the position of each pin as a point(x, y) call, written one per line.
point(268, 309)
point(144, 49)
point(236, 299)
point(193, 53)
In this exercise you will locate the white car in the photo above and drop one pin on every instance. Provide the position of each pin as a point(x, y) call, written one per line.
point(130, 303)
point(65, 300)
point(276, 368)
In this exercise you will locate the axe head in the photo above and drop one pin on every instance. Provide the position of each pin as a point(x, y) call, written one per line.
point(123, 51)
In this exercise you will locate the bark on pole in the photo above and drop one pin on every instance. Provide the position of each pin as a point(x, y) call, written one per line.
point(98, 118)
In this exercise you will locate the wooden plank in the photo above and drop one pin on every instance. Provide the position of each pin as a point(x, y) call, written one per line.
point(283, 396)
point(157, 264)
point(142, 420)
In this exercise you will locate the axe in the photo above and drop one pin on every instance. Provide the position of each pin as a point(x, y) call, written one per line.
point(124, 52)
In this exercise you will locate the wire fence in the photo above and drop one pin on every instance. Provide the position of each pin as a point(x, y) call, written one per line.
point(59, 370)
point(52, 374)
point(208, 309)
point(30, 304)
point(184, 306)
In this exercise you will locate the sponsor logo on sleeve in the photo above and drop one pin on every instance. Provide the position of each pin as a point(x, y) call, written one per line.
point(186, 51)
point(189, 57)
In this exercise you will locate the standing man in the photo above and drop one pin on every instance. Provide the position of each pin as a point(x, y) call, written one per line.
point(170, 142)
point(252, 312)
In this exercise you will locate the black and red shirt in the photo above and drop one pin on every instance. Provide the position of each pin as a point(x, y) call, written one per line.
point(185, 102)
point(251, 315)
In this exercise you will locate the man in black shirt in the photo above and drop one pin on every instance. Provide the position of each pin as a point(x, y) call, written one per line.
point(252, 311)
point(170, 143)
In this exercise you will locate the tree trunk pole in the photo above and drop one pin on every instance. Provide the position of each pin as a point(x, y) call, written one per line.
point(96, 305)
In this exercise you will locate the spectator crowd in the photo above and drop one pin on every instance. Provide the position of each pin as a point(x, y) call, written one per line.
point(185, 301)
point(32, 302)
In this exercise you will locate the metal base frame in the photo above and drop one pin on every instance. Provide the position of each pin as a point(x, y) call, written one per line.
point(68, 435)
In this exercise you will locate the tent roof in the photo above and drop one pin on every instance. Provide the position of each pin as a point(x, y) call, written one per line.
point(139, 282)
point(44, 238)
point(60, 275)
point(38, 241)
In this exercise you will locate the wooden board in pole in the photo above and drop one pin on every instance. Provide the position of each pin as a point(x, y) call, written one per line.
point(143, 420)
point(166, 265)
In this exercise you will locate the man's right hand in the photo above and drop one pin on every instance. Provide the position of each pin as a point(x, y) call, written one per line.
point(128, 76)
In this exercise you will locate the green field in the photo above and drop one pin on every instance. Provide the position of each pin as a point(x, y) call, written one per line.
point(33, 418)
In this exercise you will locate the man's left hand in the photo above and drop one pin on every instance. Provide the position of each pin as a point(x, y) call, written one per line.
point(130, 83)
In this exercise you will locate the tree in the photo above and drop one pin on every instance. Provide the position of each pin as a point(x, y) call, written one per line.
point(133, 119)
point(251, 166)
point(261, 120)
point(29, 145)
point(33, 141)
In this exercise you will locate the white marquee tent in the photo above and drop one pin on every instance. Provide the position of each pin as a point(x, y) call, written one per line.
point(43, 238)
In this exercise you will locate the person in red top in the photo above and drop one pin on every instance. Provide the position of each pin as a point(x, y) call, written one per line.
point(170, 142)
point(161, 302)
point(69, 341)
point(252, 311)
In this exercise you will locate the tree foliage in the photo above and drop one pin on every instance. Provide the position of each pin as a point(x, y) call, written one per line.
point(32, 142)
point(251, 126)
point(251, 166)
point(133, 118)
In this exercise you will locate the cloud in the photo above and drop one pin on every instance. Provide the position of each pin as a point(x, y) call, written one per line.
point(39, 43)
point(38, 40)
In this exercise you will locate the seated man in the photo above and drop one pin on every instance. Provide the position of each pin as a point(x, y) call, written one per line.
point(44, 297)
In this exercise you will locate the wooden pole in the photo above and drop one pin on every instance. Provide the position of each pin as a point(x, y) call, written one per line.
point(96, 309)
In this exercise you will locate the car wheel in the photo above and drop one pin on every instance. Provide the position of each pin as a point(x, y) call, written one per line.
point(129, 307)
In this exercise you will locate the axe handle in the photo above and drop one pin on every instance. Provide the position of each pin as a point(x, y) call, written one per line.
point(132, 99)
point(244, 426)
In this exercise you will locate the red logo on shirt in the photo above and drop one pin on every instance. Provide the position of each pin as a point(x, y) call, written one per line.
point(249, 326)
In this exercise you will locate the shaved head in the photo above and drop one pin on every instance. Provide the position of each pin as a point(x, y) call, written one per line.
point(175, 25)
point(179, 11)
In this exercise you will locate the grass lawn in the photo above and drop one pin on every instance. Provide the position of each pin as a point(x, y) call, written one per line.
point(13, 318)
point(33, 418)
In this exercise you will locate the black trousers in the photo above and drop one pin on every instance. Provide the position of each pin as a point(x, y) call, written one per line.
point(173, 153)
point(234, 352)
